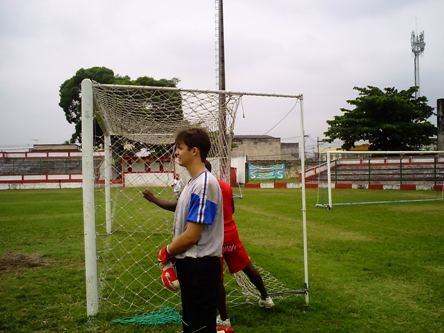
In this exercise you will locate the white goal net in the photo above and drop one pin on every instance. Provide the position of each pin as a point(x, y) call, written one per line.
point(377, 177)
point(133, 149)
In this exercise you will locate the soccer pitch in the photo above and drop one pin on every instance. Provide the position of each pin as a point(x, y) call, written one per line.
point(376, 268)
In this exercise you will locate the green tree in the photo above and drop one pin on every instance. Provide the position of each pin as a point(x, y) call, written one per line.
point(70, 97)
point(387, 119)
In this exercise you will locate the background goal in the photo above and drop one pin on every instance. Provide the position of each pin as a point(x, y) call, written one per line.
point(134, 127)
point(412, 175)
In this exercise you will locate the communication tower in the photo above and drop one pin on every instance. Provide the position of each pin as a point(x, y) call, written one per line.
point(418, 45)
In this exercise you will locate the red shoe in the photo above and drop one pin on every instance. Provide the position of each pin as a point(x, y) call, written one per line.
point(224, 329)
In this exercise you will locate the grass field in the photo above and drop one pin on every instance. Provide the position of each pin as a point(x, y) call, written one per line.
point(371, 268)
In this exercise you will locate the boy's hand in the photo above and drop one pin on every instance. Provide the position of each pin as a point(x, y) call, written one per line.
point(148, 195)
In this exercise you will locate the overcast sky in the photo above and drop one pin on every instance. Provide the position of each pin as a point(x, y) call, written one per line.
point(320, 48)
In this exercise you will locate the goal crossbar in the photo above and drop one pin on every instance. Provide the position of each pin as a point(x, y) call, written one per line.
point(218, 92)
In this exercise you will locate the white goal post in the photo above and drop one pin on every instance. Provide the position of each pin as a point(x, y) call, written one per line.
point(128, 146)
point(415, 175)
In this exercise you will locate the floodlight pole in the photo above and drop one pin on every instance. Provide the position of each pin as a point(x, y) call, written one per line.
point(225, 163)
point(221, 45)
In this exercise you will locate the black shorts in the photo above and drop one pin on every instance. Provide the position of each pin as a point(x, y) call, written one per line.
point(199, 287)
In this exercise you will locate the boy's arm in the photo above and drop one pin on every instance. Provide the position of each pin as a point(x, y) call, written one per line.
point(187, 239)
point(168, 205)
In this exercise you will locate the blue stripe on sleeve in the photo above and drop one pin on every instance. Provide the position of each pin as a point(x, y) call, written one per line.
point(201, 212)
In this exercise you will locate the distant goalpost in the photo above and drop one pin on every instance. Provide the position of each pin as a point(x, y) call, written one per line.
point(404, 176)
point(122, 231)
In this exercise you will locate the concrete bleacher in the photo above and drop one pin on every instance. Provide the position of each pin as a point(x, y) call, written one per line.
point(42, 169)
point(9, 166)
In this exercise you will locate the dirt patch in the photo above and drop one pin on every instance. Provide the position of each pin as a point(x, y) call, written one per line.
point(12, 262)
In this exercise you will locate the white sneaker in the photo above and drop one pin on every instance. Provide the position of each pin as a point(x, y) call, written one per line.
point(266, 303)
point(221, 322)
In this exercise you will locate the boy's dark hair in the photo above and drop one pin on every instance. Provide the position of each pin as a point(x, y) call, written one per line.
point(195, 137)
point(208, 165)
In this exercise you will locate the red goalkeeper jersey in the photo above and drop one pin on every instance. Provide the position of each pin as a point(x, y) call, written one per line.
point(230, 228)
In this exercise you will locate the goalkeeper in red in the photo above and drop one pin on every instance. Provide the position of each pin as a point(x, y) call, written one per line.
point(236, 256)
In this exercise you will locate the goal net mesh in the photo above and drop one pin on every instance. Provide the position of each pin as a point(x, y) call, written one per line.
point(136, 153)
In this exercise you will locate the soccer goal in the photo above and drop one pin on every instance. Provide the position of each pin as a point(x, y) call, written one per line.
point(128, 137)
point(378, 177)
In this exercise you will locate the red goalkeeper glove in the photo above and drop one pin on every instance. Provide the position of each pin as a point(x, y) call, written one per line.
point(224, 329)
point(169, 277)
point(164, 256)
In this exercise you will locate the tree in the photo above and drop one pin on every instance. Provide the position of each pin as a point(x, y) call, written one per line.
point(70, 97)
point(387, 119)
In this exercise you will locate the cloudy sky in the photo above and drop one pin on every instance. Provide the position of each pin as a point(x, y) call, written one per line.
point(319, 48)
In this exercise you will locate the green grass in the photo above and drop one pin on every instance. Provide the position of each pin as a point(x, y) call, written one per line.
point(373, 268)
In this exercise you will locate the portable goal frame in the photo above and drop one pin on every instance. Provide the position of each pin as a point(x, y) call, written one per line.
point(88, 104)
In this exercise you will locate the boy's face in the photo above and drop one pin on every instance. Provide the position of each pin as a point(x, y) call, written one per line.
point(185, 154)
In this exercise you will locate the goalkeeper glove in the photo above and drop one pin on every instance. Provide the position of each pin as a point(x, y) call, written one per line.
point(164, 255)
point(224, 329)
point(169, 277)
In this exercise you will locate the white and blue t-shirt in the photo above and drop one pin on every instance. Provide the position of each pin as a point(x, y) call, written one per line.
point(201, 202)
